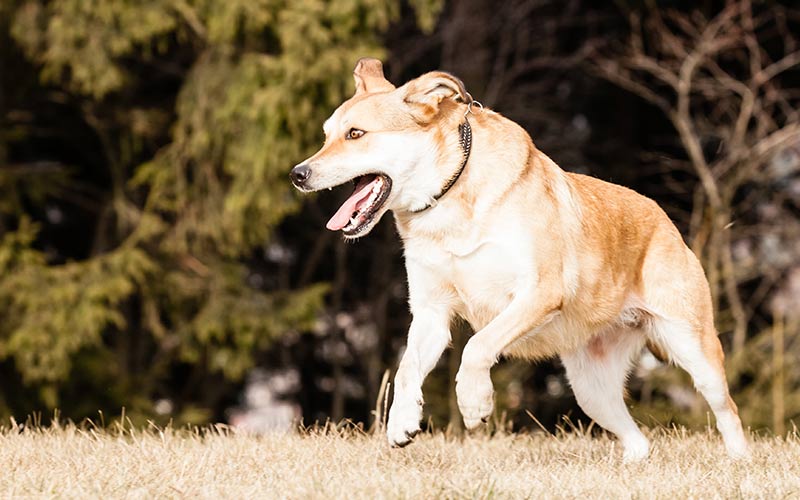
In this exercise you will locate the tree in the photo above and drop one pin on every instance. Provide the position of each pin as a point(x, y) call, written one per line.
point(199, 109)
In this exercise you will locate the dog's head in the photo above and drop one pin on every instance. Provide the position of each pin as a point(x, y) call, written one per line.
point(390, 142)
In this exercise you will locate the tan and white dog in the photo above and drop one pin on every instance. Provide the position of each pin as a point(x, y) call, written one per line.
point(539, 261)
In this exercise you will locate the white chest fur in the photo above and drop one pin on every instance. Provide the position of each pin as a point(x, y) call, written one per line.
point(480, 272)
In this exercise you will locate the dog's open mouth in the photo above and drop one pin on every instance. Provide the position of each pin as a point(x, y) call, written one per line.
point(360, 208)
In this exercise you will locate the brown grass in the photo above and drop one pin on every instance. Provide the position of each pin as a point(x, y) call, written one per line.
point(70, 462)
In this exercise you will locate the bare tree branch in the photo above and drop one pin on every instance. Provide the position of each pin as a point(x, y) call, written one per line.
point(716, 82)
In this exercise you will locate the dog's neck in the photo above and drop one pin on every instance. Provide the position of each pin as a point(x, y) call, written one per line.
point(465, 141)
point(492, 170)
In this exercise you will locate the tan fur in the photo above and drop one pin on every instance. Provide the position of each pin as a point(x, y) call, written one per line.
point(539, 261)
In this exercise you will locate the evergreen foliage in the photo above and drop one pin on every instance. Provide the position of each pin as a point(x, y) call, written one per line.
point(164, 289)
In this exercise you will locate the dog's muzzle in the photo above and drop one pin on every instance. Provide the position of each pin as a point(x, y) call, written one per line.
point(300, 175)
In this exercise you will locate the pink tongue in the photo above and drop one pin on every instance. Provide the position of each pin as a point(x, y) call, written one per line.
point(361, 193)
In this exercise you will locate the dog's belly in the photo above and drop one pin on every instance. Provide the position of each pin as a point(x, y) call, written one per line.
point(567, 331)
point(557, 336)
point(559, 333)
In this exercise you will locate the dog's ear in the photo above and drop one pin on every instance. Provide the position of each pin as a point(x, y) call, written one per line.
point(368, 75)
point(429, 90)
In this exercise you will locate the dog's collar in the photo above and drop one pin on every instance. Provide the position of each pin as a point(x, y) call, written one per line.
point(465, 139)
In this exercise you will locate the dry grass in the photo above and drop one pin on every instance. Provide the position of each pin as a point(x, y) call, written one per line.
point(78, 463)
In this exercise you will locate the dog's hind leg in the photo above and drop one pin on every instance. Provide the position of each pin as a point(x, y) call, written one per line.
point(699, 352)
point(683, 324)
point(597, 374)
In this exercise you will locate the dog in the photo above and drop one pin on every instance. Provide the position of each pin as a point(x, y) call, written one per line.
point(541, 262)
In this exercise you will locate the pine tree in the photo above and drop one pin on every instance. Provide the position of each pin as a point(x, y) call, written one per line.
point(199, 109)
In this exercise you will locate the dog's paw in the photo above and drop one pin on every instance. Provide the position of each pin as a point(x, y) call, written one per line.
point(475, 396)
point(403, 423)
point(635, 449)
point(738, 450)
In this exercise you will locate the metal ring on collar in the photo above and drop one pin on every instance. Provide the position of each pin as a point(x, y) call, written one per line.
point(469, 107)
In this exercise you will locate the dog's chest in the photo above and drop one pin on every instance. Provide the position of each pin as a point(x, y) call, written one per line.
point(484, 275)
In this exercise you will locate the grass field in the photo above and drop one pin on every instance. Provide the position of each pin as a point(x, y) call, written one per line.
point(68, 462)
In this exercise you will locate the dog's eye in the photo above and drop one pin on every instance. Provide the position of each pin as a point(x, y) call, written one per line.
point(354, 133)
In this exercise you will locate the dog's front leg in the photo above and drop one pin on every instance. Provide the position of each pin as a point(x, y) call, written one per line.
point(428, 337)
point(474, 389)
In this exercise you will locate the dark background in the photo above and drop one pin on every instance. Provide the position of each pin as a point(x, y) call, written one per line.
point(155, 257)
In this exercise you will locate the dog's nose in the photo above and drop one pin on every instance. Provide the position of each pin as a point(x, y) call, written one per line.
point(299, 174)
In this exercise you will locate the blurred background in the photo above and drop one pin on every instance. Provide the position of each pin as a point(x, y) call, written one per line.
point(154, 256)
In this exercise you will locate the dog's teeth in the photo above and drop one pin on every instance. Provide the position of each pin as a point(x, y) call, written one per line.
point(330, 189)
